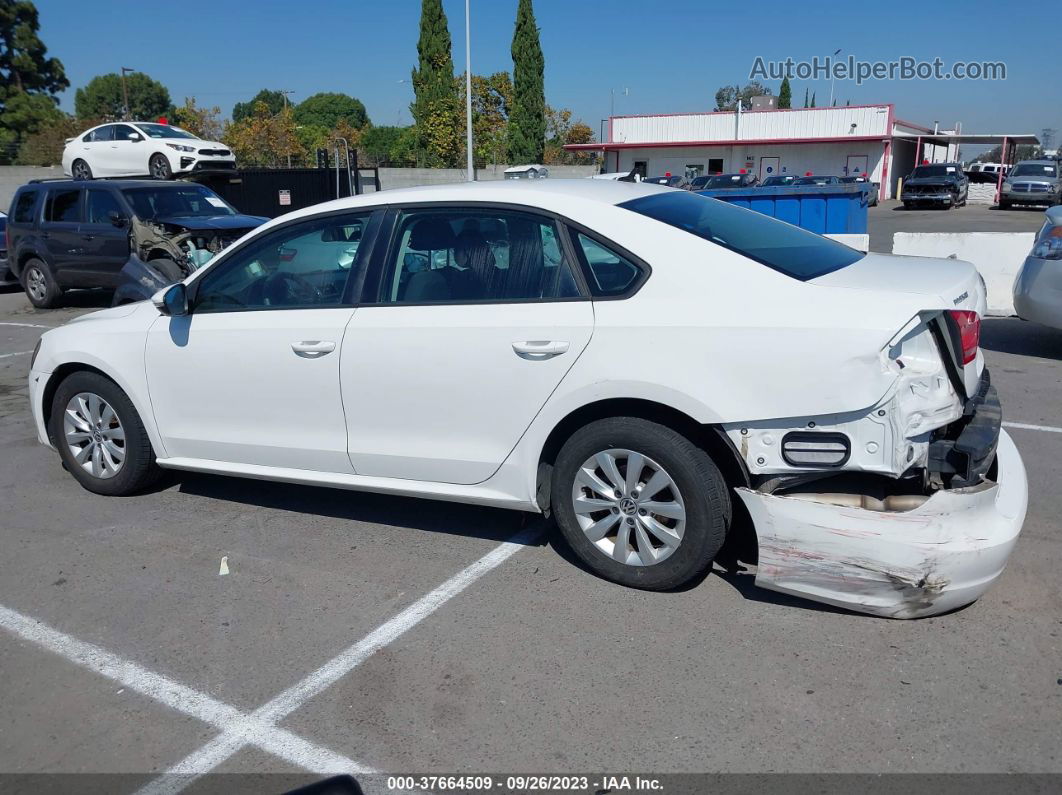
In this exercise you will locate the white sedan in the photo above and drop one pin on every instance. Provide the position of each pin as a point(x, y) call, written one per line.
point(628, 357)
point(137, 149)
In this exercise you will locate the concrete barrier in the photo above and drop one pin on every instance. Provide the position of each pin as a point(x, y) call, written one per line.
point(996, 255)
point(860, 242)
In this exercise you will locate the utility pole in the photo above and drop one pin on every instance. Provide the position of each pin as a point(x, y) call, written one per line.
point(835, 54)
point(285, 93)
point(125, 94)
point(468, 95)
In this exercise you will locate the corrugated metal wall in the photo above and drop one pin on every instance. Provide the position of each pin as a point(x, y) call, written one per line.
point(754, 125)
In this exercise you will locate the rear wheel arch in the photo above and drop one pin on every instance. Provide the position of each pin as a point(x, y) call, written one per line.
point(709, 438)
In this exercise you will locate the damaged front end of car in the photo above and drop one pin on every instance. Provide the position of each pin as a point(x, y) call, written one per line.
point(163, 253)
point(908, 508)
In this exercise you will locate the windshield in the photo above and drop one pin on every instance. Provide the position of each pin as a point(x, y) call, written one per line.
point(780, 246)
point(1035, 170)
point(777, 181)
point(164, 131)
point(724, 181)
point(192, 200)
point(935, 171)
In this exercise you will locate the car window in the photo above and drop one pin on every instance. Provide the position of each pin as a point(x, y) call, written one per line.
point(461, 255)
point(63, 206)
point(607, 273)
point(780, 246)
point(104, 133)
point(164, 131)
point(176, 201)
point(23, 213)
point(1034, 170)
point(302, 266)
point(123, 131)
point(99, 205)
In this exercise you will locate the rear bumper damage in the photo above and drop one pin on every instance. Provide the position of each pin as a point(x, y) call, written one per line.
point(937, 556)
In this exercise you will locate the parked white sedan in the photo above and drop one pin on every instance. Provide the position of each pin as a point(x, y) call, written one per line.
point(626, 356)
point(137, 149)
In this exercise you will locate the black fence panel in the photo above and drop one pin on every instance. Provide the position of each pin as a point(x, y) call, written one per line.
point(275, 191)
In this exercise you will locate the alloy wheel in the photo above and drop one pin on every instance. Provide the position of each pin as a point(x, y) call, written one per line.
point(629, 507)
point(94, 435)
point(81, 170)
point(36, 284)
point(160, 169)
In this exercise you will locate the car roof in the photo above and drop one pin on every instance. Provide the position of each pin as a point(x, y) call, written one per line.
point(1037, 162)
point(117, 184)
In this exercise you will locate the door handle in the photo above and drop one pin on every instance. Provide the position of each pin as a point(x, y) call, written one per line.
point(540, 349)
point(88, 237)
point(313, 349)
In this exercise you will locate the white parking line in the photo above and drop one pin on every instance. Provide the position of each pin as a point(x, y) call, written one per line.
point(239, 729)
point(1026, 427)
point(25, 325)
point(16, 353)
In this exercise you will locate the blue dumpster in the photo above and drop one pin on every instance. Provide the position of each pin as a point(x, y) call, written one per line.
point(824, 209)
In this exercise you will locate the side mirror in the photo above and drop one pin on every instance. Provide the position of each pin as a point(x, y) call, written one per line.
point(117, 219)
point(172, 300)
point(135, 137)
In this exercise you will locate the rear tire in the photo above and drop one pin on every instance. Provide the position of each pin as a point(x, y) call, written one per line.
point(656, 540)
point(159, 167)
point(41, 288)
point(100, 436)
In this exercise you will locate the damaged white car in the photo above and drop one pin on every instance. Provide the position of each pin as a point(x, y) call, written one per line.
point(633, 359)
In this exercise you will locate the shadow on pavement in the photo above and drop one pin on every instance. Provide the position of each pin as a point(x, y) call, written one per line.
point(474, 521)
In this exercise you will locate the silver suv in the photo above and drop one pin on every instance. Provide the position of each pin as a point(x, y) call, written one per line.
point(1032, 182)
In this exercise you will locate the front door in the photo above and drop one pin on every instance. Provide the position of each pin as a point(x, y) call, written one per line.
point(104, 246)
point(251, 375)
point(476, 319)
point(769, 167)
point(126, 156)
point(857, 165)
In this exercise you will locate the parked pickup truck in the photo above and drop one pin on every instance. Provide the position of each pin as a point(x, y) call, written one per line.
point(941, 184)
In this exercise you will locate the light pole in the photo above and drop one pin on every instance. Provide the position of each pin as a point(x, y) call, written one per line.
point(835, 54)
point(125, 94)
point(468, 95)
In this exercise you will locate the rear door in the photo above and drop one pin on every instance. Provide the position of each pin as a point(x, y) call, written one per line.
point(104, 246)
point(60, 222)
point(473, 318)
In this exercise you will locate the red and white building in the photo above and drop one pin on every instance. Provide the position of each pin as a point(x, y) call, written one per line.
point(852, 140)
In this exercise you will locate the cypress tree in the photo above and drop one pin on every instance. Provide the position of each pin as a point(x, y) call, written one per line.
point(805, 97)
point(436, 104)
point(785, 94)
point(812, 101)
point(527, 121)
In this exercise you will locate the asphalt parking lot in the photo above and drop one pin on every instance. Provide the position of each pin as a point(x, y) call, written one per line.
point(891, 216)
point(372, 633)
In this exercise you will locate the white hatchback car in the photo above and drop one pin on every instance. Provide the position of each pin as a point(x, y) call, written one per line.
point(137, 149)
point(626, 356)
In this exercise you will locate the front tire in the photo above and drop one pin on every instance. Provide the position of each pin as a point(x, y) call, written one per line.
point(159, 167)
point(80, 170)
point(41, 288)
point(100, 436)
point(639, 503)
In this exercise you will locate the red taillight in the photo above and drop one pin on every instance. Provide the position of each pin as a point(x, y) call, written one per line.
point(969, 324)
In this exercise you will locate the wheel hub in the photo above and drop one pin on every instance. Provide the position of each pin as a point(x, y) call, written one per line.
point(94, 435)
point(629, 507)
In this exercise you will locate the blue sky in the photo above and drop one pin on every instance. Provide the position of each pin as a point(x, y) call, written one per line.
point(672, 55)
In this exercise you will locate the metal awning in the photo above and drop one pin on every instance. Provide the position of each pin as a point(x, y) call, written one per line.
point(994, 139)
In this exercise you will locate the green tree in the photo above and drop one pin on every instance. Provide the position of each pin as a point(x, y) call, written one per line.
point(492, 99)
point(812, 100)
point(45, 146)
point(204, 122)
point(326, 110)
point(103, 98)
point(805, 97)
point(29, 79)
point(726, 98)
point(436, 108)
point(378, 143)
point(561, 130)
point(785, 94)
point(527, 120)
point(273, 100)
point(264, 138)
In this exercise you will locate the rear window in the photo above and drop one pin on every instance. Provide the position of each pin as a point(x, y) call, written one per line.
point(24, 204)
point(63, 206)
point(780, 246)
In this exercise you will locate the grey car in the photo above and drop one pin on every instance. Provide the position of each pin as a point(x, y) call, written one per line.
point(1031, 182)
point(1038, 286)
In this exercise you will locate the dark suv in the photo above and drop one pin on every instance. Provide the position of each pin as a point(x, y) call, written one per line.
point(64, 234)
